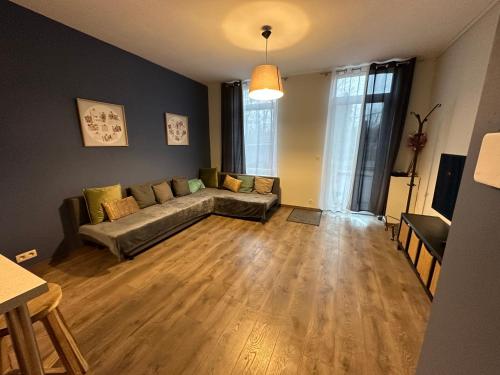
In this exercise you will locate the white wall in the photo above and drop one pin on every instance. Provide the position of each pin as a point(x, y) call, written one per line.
point(458, 81)
point(302, 114)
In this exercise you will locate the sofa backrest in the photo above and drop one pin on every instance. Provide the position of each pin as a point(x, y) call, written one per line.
point(77, 208)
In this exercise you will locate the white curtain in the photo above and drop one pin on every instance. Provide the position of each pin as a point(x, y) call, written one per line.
point(345, 109)
point(260, 118)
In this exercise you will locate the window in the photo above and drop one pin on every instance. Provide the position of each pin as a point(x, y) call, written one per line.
point(347, 96)
point(260, 128)
point(378, 86)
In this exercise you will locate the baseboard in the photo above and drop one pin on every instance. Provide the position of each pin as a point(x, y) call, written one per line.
point(301, 207)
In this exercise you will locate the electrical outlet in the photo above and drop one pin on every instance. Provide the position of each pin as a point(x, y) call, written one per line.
point(25, 256)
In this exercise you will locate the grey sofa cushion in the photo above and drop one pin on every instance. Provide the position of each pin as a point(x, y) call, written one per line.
point(124, 235)
point(180, 186)
point(163, 192)
point(143, 194)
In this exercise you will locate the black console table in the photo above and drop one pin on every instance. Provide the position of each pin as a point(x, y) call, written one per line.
point(423, 239)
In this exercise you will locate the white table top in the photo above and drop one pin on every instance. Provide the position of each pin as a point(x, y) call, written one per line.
point(17, 285)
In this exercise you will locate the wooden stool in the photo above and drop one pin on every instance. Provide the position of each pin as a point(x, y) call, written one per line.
point(45, 309)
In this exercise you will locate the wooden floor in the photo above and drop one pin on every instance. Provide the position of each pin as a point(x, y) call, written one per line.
point(231, 296)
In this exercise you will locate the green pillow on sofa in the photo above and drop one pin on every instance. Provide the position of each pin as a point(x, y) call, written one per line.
point(246, 183)
point(195, 184)
point(95, 197)
point(209, 177)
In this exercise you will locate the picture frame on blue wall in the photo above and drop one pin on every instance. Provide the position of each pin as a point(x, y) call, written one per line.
point(102, 124)
point(176, 129)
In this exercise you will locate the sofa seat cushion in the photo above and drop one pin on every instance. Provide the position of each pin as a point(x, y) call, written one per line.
point(244, 205)
point(125, 235)
point(267, 200)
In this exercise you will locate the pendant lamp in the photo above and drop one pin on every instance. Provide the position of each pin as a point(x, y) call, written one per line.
point(265, 83)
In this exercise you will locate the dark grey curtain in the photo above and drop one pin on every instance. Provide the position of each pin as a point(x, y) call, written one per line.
point(233, 145)
point(384, 113)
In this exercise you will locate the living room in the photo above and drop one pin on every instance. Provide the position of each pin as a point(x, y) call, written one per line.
point(230, 187)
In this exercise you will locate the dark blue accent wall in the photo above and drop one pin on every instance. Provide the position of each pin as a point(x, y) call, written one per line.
point(44, 66)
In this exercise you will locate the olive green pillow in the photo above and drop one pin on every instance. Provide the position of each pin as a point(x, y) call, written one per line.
point(246, 183)
point(95, 197)
point(209, 177)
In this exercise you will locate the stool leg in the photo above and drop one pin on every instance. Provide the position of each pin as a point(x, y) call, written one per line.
point(23, 340)
point(4, 356)
point(65, 344)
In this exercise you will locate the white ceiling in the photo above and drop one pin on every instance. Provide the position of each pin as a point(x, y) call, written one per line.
point(218, 40)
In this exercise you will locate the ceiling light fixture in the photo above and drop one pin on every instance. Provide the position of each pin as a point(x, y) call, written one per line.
point(265, 83)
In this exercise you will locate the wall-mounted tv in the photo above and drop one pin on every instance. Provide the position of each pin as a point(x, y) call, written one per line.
point(447, 184)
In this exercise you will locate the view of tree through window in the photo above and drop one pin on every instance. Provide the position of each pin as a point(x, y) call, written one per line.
point(378, 86)
point(260, 127)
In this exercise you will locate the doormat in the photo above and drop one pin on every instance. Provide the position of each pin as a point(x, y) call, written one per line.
point(303, 216)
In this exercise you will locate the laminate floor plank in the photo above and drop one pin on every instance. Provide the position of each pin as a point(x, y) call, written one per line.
point(228, 296)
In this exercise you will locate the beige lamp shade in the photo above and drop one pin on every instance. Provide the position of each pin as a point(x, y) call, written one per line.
point(265, 83)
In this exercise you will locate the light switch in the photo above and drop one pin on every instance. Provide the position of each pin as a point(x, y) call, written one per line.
point(488, 162)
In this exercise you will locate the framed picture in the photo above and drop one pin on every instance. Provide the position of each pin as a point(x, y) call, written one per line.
point(102, 124)
point(176, 129)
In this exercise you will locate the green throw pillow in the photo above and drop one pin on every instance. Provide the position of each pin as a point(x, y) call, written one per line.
point(95, 197)
point(246, 184)
point(209, 177)
point(195, 184)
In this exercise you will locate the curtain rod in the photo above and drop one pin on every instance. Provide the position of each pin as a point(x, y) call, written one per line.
point(398, 61)
point(236, 82)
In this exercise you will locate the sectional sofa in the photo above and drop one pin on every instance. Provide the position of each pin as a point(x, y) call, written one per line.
point(132, 234)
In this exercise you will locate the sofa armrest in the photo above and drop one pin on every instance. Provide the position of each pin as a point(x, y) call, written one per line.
point(77, 211)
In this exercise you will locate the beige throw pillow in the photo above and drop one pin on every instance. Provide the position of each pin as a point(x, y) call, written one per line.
point(263, 185)
point(121, 208)
point(232, 184)
point(163, 192)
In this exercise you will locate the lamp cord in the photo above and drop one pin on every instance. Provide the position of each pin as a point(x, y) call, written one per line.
point(266, 51)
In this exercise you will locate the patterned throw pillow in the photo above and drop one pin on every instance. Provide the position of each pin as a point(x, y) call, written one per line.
point(263, 185)
point(195, 184)
point(232, 184)
point(163, 192)
point(246, 184)
point(121, 208)
point(95, 197)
